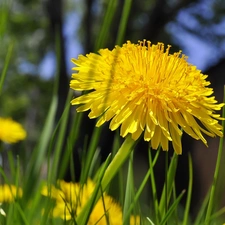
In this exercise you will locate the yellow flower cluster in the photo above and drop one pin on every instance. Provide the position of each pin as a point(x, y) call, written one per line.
point(11, 131)
point(8, 193)
point(143, 89)
point(70, 198)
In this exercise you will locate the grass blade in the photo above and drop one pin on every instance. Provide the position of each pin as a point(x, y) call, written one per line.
point(104, 32)
point(170, 178)
point(188, 202)
point(154, 189)
point(6, 65)
point(141, 187)
point(129, 193)
point(123, 21)
point(171, 209)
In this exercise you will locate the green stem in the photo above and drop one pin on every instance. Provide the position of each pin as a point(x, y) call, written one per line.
point(120, 157)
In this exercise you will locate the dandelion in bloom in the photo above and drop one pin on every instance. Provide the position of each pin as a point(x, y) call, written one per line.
point(11, 131)
point(143, 89)
point(70, 198)
point(8, 193)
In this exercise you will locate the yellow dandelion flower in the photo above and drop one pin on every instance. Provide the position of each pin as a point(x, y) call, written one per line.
point(143, 89)
point(71, 197)
point(11, 131)
point(8, 193)
point(135, 220)
point(106, 211)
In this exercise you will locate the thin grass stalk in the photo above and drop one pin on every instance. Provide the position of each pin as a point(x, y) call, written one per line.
point(68, 153)
point(21, 214)
point(150, 221)
point(171, 209)
point(216, 172)
point(60, 138)
point(46, 135)
point(176, 217)
point(202, 211)
point(129, 192)
point(6, 65)
point(110, 172)
point(90, 154)
point(4, 15)
point(154, 188)
point(12, 165)
point(141, 187)
point(105, 210)
point(38, 156)
point(104, 32)
point(17, 174)
point(83, 216)
point(218, 213)
point(72, 169)
point(123, 22)
point(5, 178)
point(75, 128)
point(121, 186)
point(95, 163)
point(171, 175)
point(166, 182)
point(35, 211)
point(189, 193)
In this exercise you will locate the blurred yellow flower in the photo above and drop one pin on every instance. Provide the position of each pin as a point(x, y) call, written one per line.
point(11, 131)
point(135, 220)
point(71, 197)
point(145, 89)
point(8, 193)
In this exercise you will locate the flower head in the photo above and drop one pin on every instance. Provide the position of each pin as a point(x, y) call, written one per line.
point(8, 193)
point(145, 90)
point(71, 198)
point(11, 131)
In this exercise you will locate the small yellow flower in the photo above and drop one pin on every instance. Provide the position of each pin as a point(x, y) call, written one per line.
point(70, 198)
point(11, 131)
point(143, 89)
point(135, 220)
point(8, 193)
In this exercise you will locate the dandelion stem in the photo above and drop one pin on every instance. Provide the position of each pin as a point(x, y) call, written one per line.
point(120, 157)
point(216, 173)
